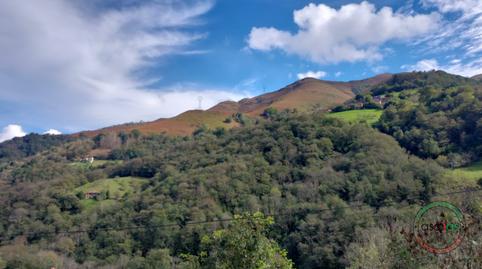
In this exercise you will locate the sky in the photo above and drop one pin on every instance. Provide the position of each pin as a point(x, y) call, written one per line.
point(72, 65)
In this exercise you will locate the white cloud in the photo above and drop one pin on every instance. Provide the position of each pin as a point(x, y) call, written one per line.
point(379, 69)
point(52, 132)
point(337, 74)
point(459, 38)
point(423, 65)
point(312, 74)
point(453, 5)
point(352, 33)
point(11, 131)
point(467, 70)
point(76, 65)
point(455, 61)
point(461, 30)
point(457, 67)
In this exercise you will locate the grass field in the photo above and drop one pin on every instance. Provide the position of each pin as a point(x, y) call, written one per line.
point(369, 116)
point(116, 187)
point(463, 178)
point(472, 172)
point(88, 205)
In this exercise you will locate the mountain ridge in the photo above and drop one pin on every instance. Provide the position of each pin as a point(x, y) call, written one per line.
point(303, 95)
point(477, 77)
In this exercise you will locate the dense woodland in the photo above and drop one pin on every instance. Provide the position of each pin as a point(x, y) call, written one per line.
point(288, 190)
point(442, 120)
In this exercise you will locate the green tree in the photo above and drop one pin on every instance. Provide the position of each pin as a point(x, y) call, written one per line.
point(243, 245)
point(270, 112)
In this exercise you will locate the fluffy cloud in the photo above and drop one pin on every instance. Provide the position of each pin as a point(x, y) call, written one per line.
point(81, 64)
point(423, 65)
point(11, 131)
point(312, 74)
point(352, 33)
point(52, 132)
point(455, 67)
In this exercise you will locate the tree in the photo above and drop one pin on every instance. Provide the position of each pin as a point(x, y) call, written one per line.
point(270, 112)
point(136, 134)
point(243, 245)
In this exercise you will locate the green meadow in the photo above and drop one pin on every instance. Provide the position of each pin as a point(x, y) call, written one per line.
point(369, 116)
point(116, 187)
point(472, 172)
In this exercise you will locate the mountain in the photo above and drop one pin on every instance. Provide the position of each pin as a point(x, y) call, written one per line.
point(304, 95)
point(182, 124)
point(337, 194)
point(477, 77)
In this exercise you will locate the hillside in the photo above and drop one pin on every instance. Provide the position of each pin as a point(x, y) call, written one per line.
point(182, 124)
point(336, 191)
point(304, 95)
point(477, 77)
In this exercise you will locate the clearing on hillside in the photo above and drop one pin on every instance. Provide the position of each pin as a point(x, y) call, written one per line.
point(472, 172)
point(116, 187)
point(370, 116)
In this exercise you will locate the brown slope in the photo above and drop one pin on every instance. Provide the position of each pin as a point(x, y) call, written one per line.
point(364, 85)
point(304, 95)
point(226, 107)
point(182, 124)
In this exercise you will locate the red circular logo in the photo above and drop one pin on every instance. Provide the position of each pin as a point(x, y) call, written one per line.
point(439, 227)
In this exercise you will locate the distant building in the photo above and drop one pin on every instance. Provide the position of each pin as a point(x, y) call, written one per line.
point(88, 160)
point(380, 99)
point(91, 194)
point(359, 105)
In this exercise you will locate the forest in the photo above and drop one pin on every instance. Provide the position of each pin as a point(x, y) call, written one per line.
point(287, 190)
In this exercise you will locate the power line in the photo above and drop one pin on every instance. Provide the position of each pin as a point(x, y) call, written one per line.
point(190, 223)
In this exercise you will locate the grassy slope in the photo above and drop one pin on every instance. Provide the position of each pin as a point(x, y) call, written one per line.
point(472, 172)
point(116, 186)
point(461, 178)
point(89, 205)
point(370, 116)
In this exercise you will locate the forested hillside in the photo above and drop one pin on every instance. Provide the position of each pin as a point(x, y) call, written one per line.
point(442, 120)
point(289, 190)
point(332, 188)
point(431, 114)
point(30, 145)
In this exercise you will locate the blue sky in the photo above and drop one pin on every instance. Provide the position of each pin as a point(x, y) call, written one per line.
point(71, 65)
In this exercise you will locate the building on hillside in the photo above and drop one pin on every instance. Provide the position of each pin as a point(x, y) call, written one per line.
point(88, 160)
point(91, 194)
point(380, 99)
